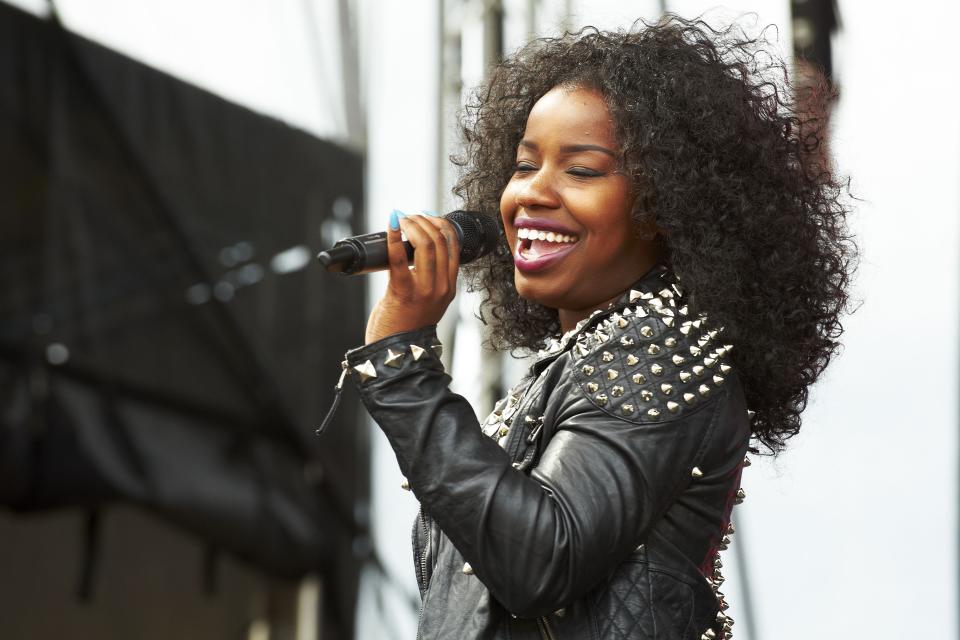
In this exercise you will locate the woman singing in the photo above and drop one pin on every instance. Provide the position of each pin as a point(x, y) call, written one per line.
point(674, 244)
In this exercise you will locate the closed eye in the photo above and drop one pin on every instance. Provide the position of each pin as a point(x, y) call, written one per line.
point(522, 167)
point(582, 172)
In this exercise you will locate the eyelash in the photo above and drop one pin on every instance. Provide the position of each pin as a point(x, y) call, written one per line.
point(523, 167)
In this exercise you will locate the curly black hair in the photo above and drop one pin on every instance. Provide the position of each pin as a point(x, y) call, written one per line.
point(725, 159)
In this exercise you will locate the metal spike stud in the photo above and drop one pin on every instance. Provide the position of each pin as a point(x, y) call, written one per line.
point(670, 341)
point(394, 358)
point(601, 399)
point(592, 387)
point(626, 341)
point(405, 485)
point(588, 369)
point(708, 635)
point(668, 321)
point(438, 348)
point(696, 473)
point(673, 406)
point(667, 388)
point(646, 395)
point(656, 369)
point(638, 378)
point(677, 359)
point(617, 391)
point(746, 462)
point(632, 360)
point(689, 398)
point(724, 368)
point(685, 329)
point(653, 349)
point(635, 295)
point(627, 409)
point(612, 374)
point(417, 351)
point(718, 380)
point(709, 361)
point(366, 371)
point(646, 331)
point(653, 412)
point(685, 376)
point(622, 323)
point(467, 569)
point(704, 390)
point(607, 356)
point(697, 369)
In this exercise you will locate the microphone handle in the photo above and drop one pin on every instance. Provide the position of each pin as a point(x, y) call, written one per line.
point(360, 254)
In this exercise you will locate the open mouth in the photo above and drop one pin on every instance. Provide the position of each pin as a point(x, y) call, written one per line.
point(537, 249)
point(534, 244)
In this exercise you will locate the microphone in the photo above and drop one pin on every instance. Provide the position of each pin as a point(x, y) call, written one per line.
point(478, 235)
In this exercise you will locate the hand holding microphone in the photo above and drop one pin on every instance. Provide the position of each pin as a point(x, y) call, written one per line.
point(477, 235)
point(437, 245)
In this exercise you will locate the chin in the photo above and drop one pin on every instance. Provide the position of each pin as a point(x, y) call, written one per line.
point(536, 292)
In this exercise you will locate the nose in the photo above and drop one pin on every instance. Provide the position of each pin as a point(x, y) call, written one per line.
point(538, 191)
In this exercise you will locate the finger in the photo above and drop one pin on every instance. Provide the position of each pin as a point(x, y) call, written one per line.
point(435, 227)
point(453, 248)
point(400, 276)
point(430, 255)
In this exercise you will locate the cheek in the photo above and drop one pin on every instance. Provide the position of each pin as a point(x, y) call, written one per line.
point(507, 208)
point(507, 201)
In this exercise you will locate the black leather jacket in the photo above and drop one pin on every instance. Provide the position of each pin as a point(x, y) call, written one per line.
point(593, 501)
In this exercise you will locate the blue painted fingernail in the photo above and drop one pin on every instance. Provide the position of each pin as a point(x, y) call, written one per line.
point(394, 219)
point(430, 213)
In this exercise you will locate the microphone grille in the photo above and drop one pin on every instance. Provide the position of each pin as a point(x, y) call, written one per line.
point(479, 234)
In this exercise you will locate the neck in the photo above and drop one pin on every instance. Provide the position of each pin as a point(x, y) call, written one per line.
point(570, 317)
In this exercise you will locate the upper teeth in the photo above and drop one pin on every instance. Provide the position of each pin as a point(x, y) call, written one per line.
point(525, 233)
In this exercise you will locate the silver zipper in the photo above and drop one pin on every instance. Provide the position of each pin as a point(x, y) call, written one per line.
point(423, 568)
point(544, 627)
point(426, 546)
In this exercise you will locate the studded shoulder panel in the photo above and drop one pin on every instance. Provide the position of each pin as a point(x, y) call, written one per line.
point(650, 361)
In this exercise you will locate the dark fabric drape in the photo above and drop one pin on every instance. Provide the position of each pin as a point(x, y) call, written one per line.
point(158, 344)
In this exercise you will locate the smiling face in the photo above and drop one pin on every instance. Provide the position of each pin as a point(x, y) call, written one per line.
point(567, 182)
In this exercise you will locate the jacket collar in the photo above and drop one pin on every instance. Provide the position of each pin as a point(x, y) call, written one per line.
point(650, 285)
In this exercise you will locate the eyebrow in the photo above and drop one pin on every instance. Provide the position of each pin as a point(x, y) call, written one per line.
point(572, 148)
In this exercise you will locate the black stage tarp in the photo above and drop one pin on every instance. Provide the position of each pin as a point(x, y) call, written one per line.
point(159, 345)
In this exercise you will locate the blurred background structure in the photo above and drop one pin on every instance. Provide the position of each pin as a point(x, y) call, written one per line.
point(167, 345)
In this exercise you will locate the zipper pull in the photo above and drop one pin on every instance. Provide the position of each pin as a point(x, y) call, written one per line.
point(336, 399)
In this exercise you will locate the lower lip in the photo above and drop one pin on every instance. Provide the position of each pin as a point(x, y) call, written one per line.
point(529, 265)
